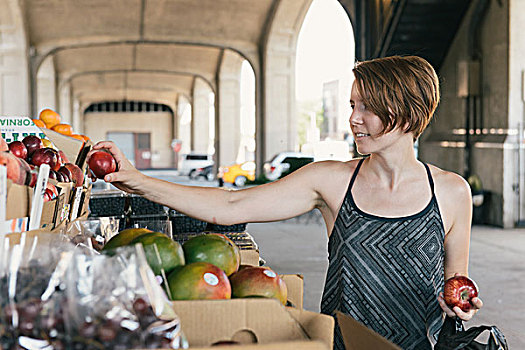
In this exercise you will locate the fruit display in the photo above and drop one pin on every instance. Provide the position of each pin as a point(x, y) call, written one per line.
point(124, 238)
point(162, 253)
point(459, 291)
point(199, 280)
point(255, 281)
point(214, 248)
point(102, 163)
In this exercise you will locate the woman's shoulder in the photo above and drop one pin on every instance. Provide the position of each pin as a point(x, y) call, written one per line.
point(336, 167)
point(449, 184)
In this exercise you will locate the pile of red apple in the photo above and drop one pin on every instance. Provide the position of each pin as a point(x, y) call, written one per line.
point(23, 158)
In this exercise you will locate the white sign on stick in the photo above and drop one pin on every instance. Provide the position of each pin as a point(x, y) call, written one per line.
point(38, 198)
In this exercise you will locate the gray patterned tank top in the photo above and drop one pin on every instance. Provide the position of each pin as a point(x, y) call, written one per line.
point(387, 272)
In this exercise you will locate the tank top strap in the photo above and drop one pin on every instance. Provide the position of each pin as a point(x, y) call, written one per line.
point(430, 180)
point(354, 175)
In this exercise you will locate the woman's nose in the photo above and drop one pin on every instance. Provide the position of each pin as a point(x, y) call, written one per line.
point(355, 118)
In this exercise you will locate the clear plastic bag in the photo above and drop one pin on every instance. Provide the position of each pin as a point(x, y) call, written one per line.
point(32, 270)
point(93, 232)
point(55, 295)
point(116, 302)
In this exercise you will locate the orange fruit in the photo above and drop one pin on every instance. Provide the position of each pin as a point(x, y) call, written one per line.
point(64, 129)
point(78, 137)
point(86, 138)
point(49, 117)
point(39, 123)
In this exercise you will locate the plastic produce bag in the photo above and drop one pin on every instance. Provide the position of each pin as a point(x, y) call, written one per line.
point(92, 232)
point(115, 302)
point(32, 269)
point(55, 295)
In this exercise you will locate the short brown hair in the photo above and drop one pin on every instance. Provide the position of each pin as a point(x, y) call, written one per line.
point(399, 90)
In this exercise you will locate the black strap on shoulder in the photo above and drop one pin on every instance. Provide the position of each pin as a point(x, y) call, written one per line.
point(430, 180)
point(354, 175)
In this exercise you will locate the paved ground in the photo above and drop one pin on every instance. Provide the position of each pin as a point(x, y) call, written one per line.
point(497, 263)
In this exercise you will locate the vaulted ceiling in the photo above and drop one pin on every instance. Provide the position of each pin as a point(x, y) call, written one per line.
point(154, 48)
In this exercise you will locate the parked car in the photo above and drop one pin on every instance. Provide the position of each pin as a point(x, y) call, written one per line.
point(237, 174)
point(205, 173)
point(285, 163)
point(192, 161)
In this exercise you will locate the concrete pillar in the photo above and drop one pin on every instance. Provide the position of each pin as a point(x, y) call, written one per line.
point(45, 85)
point(184, 117)
point(495, 143)
point(201, 117)
point(14, 65)
point(514, 157)
point(280, 120)
point(230, 107)
point(65, 107)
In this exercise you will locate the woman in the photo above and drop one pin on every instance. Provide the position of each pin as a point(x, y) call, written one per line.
point(397, 227)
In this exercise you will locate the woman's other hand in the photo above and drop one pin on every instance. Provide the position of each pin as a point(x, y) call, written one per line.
point(476, 304)
point(127, 177)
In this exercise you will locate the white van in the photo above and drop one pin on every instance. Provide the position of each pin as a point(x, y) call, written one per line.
point(191, 161)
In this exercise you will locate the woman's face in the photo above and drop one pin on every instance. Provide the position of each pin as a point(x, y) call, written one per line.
point(367, 127)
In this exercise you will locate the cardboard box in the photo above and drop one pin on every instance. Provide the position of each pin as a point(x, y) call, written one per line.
point(247, 321)
point(18, 200)
point(295, 286)
point(249, 257)
point(357, 336)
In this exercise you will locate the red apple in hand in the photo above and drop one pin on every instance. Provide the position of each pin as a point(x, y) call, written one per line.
point(459, 290)
point(102, 163)
point(18, 149)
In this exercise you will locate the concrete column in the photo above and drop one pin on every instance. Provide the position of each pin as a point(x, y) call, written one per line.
point(514, 159)
point(45, 85)
point(64, 108)
point(184, 116)
point(280, 120)
point(14, 66)
point(201, 116)
point(230, 107)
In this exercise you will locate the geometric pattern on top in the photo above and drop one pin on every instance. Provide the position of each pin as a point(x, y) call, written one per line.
point(387, 272)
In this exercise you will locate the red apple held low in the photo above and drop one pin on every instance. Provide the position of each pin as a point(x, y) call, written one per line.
point(255, 281)
point(102, 163)
point(459, 291)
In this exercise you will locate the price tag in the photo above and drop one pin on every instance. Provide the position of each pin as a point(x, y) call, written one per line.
point(76, 203)
point(38, 198)
point(65, 212)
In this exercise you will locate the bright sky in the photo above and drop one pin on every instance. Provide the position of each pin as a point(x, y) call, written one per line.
point(325, 49)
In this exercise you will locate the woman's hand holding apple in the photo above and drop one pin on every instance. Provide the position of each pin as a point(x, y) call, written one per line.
point(458, 308)
point(127, 177)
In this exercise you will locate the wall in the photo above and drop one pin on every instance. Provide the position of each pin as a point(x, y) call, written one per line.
point(441, 145)
point(96, 125)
